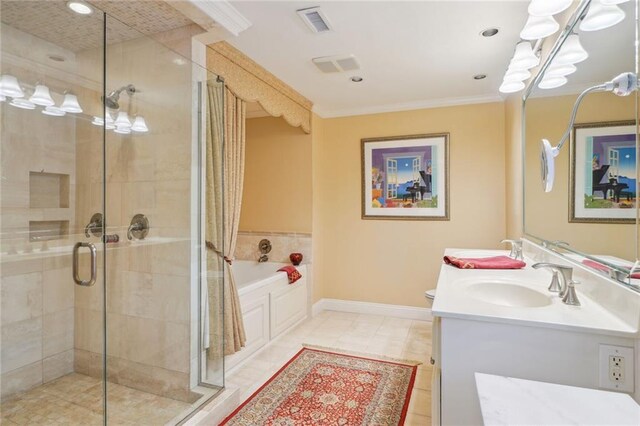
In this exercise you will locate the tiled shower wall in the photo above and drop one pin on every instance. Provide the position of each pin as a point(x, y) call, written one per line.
point(148, 282)
point(37, 296)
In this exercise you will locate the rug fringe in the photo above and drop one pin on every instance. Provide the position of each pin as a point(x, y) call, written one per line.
point(364, 354)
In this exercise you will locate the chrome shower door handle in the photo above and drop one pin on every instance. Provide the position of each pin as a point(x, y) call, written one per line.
point(94, 264)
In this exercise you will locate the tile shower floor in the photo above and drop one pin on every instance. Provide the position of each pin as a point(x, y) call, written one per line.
point(76, 399)
point(366, 334)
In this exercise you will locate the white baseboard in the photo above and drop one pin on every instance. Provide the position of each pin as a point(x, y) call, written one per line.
point(356, 307)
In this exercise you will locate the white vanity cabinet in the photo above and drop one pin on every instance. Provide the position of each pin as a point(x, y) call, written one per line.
point(503, 331)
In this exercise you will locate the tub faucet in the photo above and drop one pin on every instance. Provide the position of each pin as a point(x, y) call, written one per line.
point(562, 276)
point(263, 258)
point(516, 249)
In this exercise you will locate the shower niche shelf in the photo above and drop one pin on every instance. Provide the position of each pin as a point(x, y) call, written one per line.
point(46, 230)
point(48, 190)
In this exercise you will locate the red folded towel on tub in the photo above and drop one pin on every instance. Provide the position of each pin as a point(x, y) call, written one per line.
point(292, 273)
point(604, 268)
point(496, 262)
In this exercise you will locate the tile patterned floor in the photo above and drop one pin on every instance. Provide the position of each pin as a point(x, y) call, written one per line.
point(76, 399)
point(368, 334)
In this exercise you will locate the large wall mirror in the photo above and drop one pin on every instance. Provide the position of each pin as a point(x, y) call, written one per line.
point(591, 212)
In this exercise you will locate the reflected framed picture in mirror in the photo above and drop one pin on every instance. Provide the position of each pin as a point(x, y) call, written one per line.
point(406, 177)
point(603, 173)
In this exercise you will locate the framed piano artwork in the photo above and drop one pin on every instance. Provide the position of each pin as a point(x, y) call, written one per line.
point(406, 177)
point(603, 173)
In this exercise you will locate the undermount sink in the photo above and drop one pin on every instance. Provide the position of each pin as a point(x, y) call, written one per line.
point(507, 294)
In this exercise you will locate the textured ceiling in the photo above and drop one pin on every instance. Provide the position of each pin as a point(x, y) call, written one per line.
point(51, 20)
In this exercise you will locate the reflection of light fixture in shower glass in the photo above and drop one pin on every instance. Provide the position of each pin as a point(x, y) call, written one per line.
point(571, 51)
point(70, 104)
point(538, 27)
point(122, 121)
point(601, 16)
point(53, 111)
point(139, 125)
point(9, 86)
point(122, 130)
point(41, 96)
point(22, 103)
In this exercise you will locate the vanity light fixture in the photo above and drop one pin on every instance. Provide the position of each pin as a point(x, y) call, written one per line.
point(571, 51)
point(122, 130)
point(80, 7)
point(9, 86)
point(560, 70)
point(548, 7)
point(70, 104)
point(538, 27)
point(552, 81)
point(53, 111)
point(139, 125)
point(41, 96)
point(524, 58)
point(22, 103)
point(122, 121)
point(514, 74)
point(511, 86)
point(601, 16)
point(622, 85)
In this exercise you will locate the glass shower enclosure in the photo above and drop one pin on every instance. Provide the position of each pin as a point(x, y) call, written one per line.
point(104, 303)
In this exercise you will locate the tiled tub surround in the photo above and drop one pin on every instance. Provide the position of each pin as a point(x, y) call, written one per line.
point(282, 245)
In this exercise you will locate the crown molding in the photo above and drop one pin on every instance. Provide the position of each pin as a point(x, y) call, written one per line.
point(224, 14)
point(406, 106)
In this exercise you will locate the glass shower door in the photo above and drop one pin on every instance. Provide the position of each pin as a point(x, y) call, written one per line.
point(52, 210)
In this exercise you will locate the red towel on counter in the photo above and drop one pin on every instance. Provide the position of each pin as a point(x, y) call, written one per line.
point(292, 273)
point(604, 268)
point(496, 262)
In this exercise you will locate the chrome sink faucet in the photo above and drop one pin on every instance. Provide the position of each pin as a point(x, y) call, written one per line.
point(562, 281)
point(516, 249)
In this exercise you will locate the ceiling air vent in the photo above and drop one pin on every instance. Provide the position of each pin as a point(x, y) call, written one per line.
point(338, 63)
point(315, 19)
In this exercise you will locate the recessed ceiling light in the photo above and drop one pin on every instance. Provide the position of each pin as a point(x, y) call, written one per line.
point(80, 7)
point(479, 76)
point(489, 32)
point(356, 79)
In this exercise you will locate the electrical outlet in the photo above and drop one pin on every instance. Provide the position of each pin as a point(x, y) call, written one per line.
point(616, 368)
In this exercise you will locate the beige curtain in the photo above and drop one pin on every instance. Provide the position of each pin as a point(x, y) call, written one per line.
point(224, 165)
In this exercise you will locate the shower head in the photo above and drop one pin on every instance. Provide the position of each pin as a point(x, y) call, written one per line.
point(111, 101)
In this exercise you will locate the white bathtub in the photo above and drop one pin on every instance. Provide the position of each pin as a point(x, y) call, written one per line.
point(269, 304)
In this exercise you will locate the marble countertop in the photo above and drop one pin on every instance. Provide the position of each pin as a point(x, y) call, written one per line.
point(455, 299)
point(509, 401)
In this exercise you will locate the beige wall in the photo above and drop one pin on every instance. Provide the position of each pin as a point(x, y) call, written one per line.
point(277, 180)
point(394, 262)
point(546, 214)
point(513, 166)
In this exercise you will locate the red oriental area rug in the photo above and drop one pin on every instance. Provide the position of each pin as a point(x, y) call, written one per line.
point(324, 388)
